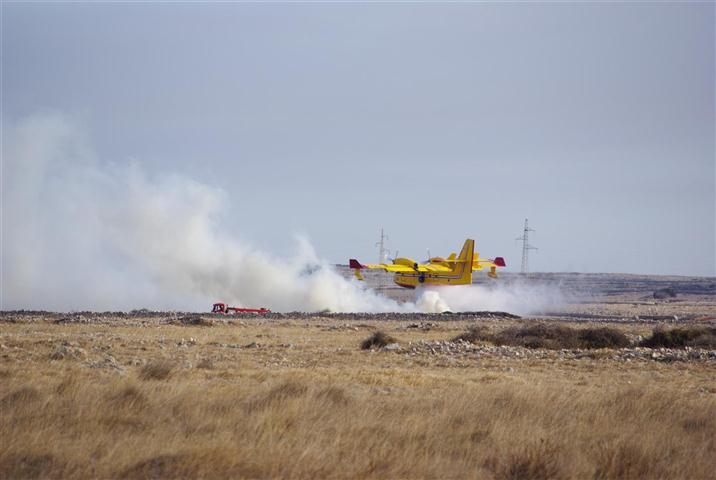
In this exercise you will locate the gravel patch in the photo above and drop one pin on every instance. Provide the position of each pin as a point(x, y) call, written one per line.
point(465, 349)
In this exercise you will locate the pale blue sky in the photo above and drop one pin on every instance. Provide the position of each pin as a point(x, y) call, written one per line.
point(435, 121)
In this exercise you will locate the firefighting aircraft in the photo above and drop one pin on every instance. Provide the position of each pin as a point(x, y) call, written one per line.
point(437, 270)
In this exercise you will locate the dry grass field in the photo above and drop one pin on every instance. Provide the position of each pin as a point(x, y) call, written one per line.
point(165, 396)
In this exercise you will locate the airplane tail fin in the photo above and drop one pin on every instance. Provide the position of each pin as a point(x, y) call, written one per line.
point(463, 263)
point(356, 266)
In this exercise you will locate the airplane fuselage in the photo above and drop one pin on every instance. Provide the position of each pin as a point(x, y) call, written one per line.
point(412, 280)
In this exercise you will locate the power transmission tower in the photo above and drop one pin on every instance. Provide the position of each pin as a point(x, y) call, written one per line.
point(383, 252)
point(383, 255)
point(526, 247)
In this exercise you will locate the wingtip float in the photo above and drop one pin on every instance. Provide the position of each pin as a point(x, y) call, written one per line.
point(455, 270)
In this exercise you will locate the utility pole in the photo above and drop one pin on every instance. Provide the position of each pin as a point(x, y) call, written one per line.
point(526, 247)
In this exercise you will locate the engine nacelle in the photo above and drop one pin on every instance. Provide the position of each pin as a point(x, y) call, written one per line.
point(408, 262)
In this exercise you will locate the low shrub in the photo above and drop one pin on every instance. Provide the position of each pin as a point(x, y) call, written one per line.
point(552, 337)
point(128, 396)
point(162, 466)
point(701, 337)
point(29, 465)
point(333, 395)
point(705, 340)
point(194, 320)
point(206, 364)
point(378, 340)
point(664, 293)
point(277, 395)
point(604, 337)
point(21, 396)
point(533, 461)
point(157, 370)
point(474, 334)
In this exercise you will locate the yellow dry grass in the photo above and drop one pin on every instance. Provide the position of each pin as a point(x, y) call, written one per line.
point(308, 403)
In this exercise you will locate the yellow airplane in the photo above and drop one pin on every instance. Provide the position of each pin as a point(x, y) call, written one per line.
point(437, 271)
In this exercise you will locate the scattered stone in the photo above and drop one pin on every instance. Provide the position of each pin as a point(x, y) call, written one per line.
point(424, 326)
point(186, 343)
point(67, 350)
point(109, 362)
point(658, 318)
point(462, 349)
point(385, 390)
point(72, 319)
point(192, 320)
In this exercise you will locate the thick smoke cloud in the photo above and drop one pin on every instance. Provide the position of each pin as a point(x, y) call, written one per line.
point(518, 297)
point(81, 233)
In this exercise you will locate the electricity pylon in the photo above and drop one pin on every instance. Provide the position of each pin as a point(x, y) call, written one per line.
point(526, 247)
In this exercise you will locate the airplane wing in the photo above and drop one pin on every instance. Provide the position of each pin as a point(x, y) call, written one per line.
point(356, 265)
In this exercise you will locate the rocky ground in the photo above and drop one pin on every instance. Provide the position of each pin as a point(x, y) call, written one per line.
point(635, 304)
point(194, 394)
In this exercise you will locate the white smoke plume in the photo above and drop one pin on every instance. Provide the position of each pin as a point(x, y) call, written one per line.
point(518, 297)
point(79, 233)
point(429, 301)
